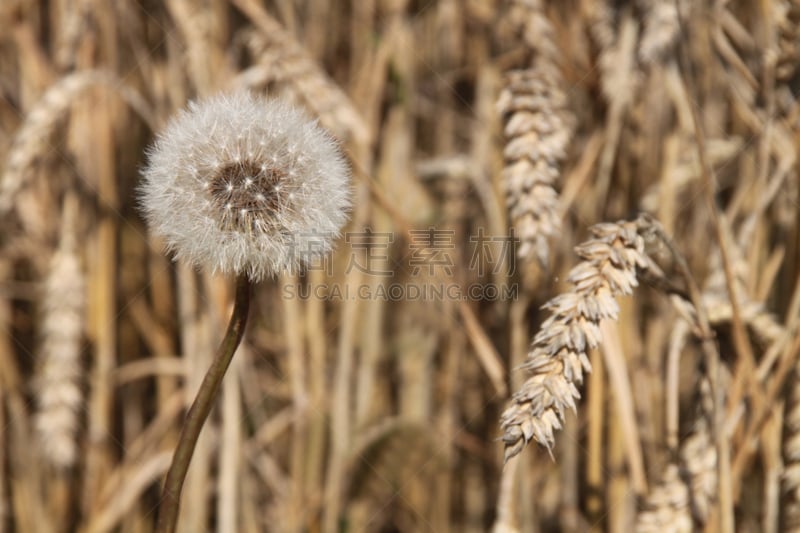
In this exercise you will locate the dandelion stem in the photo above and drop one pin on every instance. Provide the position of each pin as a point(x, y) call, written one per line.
point(201, 407)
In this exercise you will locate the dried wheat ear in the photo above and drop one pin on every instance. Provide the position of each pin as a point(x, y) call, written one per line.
point(538, 127)
point(558, 358)
point(59, 393)
point(687, 490)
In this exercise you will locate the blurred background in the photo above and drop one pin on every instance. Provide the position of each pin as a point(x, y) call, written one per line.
point(367, 394)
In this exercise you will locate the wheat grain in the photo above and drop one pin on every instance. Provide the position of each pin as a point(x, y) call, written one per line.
point(32, 140)
point(538, 129)
point(558, 354)
point(59, 396)
point(787, 17)
point(718, 302)
point(687, 490)
point(791, 456)
point(667, 506)
point(685, 493)
point(281, 59)
point(660, 30)
point(601, 18)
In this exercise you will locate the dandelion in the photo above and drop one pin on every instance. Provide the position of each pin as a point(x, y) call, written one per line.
point(240, 185)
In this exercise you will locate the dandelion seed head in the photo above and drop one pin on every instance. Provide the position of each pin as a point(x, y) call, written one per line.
point(241, 202)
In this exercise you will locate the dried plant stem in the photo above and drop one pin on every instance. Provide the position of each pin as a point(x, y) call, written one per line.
point(293, 316)
point(97, 162)
point(614, 359)
point(771, 455)
point(135, 479)
point(511, 485)
point(21, 498)
point(741, 343)
point(672, 408)
point(201, 407)
point(5, 506)
point(764, 410)
point(317, 348)
point(161, 328)
point(230, 462)
point(341, 416)
point(620, 499)
point(725, 499)
point(484, 349)
point(740, 340)
point(617, 73)
point(595, 421)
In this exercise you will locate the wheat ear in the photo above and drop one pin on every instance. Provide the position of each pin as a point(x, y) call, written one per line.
point(558, 355)
point(687, 490)
point(787, 17)
point(58, 392)
point(538, 128)
point(661, 30)
point(32, 139)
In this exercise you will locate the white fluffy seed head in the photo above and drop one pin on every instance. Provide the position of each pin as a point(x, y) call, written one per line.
point(242, 184)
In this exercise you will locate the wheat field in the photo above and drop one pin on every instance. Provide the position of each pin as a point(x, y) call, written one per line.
point(567, 297)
